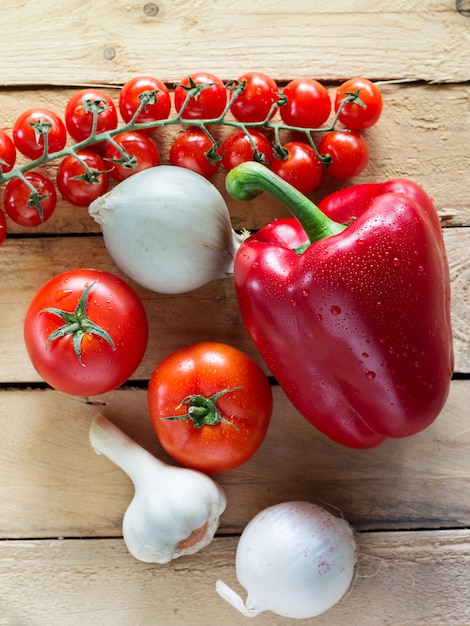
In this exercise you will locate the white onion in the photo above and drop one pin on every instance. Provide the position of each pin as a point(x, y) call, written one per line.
point(168, 229)
point(295, 559)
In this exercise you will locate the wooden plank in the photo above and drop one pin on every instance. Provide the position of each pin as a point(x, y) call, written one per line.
point(430, 117)
point(405, 578)
point(408, 499)
point(28, 263)
point(104, 42)
point(52, 483)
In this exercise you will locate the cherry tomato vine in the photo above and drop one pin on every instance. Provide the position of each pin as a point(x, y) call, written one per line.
point(300, 144)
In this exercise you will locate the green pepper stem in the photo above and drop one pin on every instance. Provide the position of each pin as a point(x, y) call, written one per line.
point(248, 180)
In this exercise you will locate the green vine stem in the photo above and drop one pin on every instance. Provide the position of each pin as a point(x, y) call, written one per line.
point(147, 97)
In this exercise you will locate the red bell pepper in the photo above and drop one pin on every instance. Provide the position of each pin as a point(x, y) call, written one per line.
point(348, 304)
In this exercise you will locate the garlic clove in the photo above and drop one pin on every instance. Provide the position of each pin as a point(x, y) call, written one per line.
point(174, 512)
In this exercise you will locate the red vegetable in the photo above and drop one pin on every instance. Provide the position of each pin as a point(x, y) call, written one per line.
point(301, 168)
point(85, 332)
point(84, 108)
point(30, 129)
point(78, 183)
point(141, 152)
point(152, 91)
point(349, 153)
point(194, 150)
point(25, 206)
point(208, 96)
point(356, 328)
point(210, 405)
point(364, 103)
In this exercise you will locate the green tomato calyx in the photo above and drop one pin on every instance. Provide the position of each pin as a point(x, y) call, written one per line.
point(77, 324)
point(202, 411)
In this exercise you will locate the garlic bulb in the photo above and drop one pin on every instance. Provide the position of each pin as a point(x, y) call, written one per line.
point(295, 559)
point(168, 229)
point(174, 511)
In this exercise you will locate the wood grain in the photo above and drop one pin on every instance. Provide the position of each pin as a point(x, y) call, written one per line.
point(105, 42)
point(62, 558)
point(52, 484)
point(403, 579)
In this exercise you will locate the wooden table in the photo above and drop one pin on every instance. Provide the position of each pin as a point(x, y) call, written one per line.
point(62, 558)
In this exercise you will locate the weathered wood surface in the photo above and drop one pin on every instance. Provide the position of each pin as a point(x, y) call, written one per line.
point(52, 483)
point(62, 559)
point(82, 41)
point(403, 578)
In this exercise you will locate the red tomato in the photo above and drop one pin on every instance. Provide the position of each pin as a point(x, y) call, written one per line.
point(222, 402)
point(194, 150)
point(81, 109)
point(86, 332)
point(308, 103)
point(141, 152)
point(158, 102)
point(362, 113)
point(302, 168)
point(349, 153)
point(92, 182)
point(30, 128)
point(27, 207)
point(3, 227)
point(238, 148)
point(206, 103)
point(256, 100)
point(7, 153)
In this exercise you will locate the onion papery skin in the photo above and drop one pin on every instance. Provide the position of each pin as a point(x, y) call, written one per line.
point(168, 229)
point(295, 559)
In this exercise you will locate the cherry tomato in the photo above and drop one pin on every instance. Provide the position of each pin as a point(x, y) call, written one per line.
point(349, 153)
point(194, 150)
point(90, 185)
point(80, 109)
point(256, 100)
point(27, 207)
point(86, 332)
point(238, 148)
point(302, 168)
point(206, 103)
point(222, 402)
point(308, 103)
point(3, 227)
point(141, 152)
point(358, 115)
point(7, 153)
point(29, 129)
point(158, 102)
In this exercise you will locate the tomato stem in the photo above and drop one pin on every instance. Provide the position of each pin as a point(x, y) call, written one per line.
point(77, 324)
point(147, 97)
point(202, 411)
